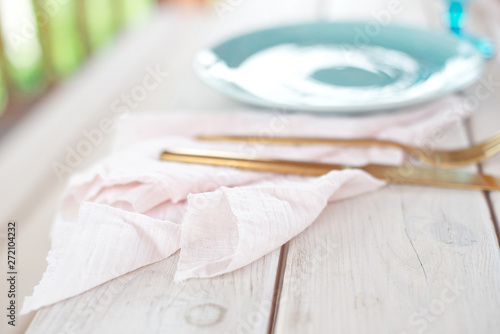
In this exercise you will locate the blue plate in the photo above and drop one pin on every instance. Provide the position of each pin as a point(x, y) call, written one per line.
point(340, 67)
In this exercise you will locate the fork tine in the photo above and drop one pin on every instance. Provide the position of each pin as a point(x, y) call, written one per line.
point(484, 147)
point(477, 149)
point(493, 149)
point(494, 138)
point(480, 152)
point(491, 143)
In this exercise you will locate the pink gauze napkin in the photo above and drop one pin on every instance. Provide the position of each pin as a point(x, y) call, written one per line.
point(132, 209)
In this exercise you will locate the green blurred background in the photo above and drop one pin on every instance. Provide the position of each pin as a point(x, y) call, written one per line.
point(45, 41)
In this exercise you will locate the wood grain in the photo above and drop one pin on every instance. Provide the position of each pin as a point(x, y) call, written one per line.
point(391, 266)
point(147, 301)
point(486, 121)
point(406, 259)
point(412, 260)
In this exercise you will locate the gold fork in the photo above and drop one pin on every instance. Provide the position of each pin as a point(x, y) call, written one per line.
point(446, 159)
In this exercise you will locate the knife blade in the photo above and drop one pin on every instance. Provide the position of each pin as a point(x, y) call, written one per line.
point(397, 174)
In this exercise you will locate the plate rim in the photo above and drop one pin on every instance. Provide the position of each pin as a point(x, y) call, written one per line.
point(372, 108)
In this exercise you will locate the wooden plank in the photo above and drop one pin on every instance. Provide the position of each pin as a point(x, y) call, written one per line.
point(33, 243)
point(486, 121)
point(379, 11)
point(148, 301)
point(402, 260)
point(53, 124)
point(485, 94)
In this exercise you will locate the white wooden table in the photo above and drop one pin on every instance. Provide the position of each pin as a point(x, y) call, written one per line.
point(405, 259)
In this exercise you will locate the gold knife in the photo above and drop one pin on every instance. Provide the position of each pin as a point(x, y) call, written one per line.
point(398, 174)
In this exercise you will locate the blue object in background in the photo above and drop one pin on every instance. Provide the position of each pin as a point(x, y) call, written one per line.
point(456, 19)
point(456, 15)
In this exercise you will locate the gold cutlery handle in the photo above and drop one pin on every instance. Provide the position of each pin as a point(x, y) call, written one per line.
point(398, 174)
point(261, 165)
point(303, 141)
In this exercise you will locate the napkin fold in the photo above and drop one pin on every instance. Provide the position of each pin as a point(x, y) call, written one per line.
point(132, 209)
point(255, 220)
